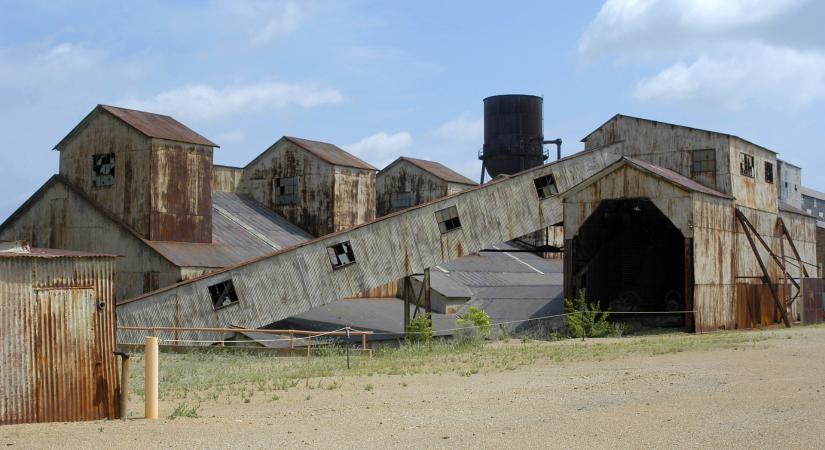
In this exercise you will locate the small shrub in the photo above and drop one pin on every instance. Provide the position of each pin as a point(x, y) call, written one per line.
point(475, 317)
point(420, 329)
point(584, 319)
point(184, 410)
point(368, 387)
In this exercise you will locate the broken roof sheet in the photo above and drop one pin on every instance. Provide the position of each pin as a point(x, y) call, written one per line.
point(150, 124)
point(330, 153)
point(435, 168)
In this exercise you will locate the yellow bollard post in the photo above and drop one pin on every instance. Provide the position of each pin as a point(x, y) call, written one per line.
point(151, 377)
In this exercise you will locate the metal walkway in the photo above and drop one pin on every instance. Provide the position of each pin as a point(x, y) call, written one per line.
point(297, 279)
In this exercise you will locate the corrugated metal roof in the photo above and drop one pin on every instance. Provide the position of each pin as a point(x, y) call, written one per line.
point(151, 124)
point(330, 153)
point(435, 168)
point(242, 229)
point(787, 207)
point(675, 177)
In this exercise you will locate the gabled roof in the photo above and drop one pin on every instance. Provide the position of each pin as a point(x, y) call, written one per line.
point(435, 168)
point(659, 172)
point(150, 124)
point(619, 116)
point(328, 152)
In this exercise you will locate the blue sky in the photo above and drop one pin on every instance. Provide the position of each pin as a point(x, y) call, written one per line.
point(385, 78)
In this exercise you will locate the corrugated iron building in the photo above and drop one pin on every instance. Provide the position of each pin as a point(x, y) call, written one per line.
point(409, 181)
point(746, 172)
point(57, 316)
point(315, 185)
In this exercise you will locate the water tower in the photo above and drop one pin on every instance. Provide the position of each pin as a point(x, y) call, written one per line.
point(513, 135)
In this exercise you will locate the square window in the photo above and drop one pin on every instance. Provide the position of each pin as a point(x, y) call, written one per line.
point(103, 170)
point(704, 160)
point(746, 165)
point(223, 294)
point(546, 186)
point(400, 200)
point(285, 191)
point(447, 219)
point(341, 255)
point(768, 172)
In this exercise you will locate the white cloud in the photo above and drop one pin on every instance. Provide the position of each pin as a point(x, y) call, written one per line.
point(203, 102)
point(29, 66)
point(266, 21)
point(641, 26)
point(381, 148)
point(464, 128)
point(741, 76)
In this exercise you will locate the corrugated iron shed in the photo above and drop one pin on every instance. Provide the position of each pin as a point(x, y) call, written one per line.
point(58, 337)
point(150, 124)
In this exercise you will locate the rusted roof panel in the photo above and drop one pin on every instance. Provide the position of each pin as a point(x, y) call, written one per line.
point(242, 229)
point(151, 124)
point(53, 253)
point(435, 168)
point(331, 153)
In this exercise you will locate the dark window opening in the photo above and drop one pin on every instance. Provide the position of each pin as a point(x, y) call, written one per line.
point(704, 161)
point(341, 255)
point(223, 294)
point(768, 172)
point(286, 191)
point(151, 281)
point(546, 186)
point(400, 200)
point(103, 170)
point(448, 219)
point(746, 165)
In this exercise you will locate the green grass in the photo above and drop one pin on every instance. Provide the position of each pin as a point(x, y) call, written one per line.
point(184, 410)
point(223, 376)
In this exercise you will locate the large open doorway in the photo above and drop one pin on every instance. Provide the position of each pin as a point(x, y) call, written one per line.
point(630, 258)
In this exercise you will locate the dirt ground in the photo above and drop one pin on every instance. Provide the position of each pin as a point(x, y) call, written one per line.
point(771, 395)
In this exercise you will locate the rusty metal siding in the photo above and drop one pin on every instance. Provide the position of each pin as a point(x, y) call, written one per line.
point(314, 209)
point(667, 145)
point(227, 179)
point(181, 192)
point(57, 345)
point(714, 243)
point(404, 176)
point(295, 280)
point(753, 193)
point(354, 197)
point(789, 183)
point(129, 197)
point(85, 228)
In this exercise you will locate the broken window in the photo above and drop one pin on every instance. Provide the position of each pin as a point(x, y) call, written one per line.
point(400, 200)
point(286, 191)
point(341, 254)
point(746, 165)
point(223, 294)
point(151, 281)
point(768, 172)
point(103, 170)
point(546, 186)
point(704, 160)
point(447, 219)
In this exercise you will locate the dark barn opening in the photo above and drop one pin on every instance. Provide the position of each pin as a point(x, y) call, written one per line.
point(630, 258)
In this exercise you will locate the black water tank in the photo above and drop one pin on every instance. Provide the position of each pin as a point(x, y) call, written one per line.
point(512, 134)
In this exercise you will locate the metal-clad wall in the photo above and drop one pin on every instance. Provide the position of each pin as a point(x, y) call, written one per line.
point(407, 177)
point(753, 192)
point(227, 179)
point(86, 229)
point(668, 146)
point(181, 180)
point(314, 209)
point(714, 240)
point(354, 197)
point(129, 197)
point(296, 280)
point(58, 339)
point(789, 182)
